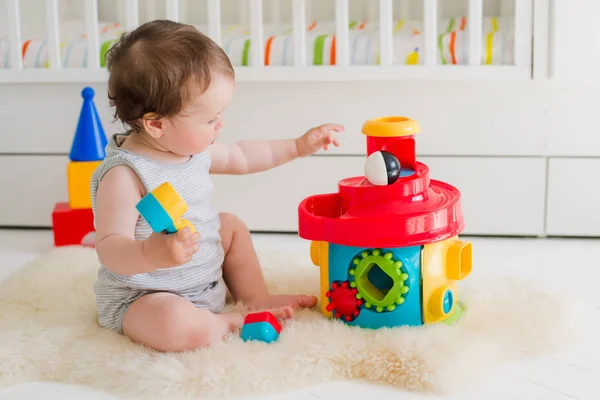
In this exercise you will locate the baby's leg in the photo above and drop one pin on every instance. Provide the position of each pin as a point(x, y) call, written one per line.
point(167, 322)
point(242, 272)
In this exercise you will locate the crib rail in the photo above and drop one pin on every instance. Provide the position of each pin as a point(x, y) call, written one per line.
point(258, 65)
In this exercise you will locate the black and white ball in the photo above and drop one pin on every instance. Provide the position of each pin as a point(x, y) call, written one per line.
point(382, 168)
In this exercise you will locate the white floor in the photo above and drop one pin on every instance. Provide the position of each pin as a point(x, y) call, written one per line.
point(572, 265)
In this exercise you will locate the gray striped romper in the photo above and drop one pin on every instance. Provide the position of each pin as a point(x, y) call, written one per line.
point(200, 280)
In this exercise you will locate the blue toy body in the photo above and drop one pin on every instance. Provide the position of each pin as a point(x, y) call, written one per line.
point(404, 309)
point(259, 331)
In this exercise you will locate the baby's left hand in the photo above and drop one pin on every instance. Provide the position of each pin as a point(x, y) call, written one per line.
point(317, 138)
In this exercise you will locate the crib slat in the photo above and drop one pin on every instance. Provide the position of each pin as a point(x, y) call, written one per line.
point(475, 31)
point(430, 31)
point(299, 21)
point(132, 19)
point(341, 32)
point(172, 10)
point(53, 34)
point(214, 20)
point(14, 21)
point(92, 32)
point(385, 32)
point(523, 32)
point(256, 32)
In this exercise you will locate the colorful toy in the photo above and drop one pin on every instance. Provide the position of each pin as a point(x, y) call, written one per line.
point(388, 250)
point(90, 141)
point(262, 326)
point(72, 227)
point(162, 208)
point(87, 152)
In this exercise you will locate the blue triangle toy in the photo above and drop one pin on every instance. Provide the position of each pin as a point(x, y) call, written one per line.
point(90, 141)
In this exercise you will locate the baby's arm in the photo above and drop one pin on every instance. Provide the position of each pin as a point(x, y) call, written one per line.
point(250, 156)
point(118, 193)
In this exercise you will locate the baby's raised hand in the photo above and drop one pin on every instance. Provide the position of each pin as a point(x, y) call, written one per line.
point(171, 250)
point(318, 138)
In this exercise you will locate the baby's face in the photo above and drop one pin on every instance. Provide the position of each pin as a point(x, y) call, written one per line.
point(197, 126)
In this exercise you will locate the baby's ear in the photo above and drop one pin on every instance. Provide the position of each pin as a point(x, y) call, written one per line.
point(153, 125)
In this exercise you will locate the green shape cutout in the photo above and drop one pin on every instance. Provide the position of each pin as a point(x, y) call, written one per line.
point(368, 291)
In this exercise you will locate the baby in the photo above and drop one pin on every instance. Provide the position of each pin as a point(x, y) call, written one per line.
point(170, 84)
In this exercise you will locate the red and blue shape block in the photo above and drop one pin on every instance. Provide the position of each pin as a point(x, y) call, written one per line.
point(261, 326)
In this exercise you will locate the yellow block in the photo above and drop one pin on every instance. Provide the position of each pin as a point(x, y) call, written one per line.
point(171, 201)
point(319, 254)
point(443, 264)
point(79, 176)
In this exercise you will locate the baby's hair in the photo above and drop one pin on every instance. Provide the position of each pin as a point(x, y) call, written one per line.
point(158, 67)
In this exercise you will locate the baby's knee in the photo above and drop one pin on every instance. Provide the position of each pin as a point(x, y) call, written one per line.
point(182, 332)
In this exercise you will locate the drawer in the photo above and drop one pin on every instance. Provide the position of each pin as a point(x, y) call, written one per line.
point(573, 192)
point(500, 195)
point(31, 185)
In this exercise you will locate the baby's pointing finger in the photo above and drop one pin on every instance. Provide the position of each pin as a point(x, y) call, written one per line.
point(332, 127)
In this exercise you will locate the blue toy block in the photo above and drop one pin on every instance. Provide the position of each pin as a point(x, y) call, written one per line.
point(259, 331)
point(408, 313)
point(90, 141)
point(155, 214)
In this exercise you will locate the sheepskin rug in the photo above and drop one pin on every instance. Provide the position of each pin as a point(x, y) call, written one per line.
point(48, 332)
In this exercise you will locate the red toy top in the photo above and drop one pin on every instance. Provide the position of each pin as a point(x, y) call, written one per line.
point(414, 210)
point(264, 316)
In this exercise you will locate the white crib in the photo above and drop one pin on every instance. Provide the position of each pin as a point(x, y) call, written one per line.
point(389, 39)
point(509, 114)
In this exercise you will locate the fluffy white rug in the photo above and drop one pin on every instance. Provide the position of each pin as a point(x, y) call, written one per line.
point(48, 332)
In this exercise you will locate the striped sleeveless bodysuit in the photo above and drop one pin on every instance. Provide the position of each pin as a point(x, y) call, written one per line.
point(200, 280)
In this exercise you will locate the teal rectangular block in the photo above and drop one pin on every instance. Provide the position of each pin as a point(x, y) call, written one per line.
point(155, 214)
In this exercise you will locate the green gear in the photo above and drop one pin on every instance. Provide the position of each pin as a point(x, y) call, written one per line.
point(373, 297)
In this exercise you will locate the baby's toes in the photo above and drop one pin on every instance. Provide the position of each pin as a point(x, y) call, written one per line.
point(306, 301)
point(284, 312)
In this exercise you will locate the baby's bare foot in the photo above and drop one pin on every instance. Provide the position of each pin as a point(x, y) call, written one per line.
point(284, 312)
point(294, 301)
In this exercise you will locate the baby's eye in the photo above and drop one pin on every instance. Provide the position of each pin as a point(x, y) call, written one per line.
point(214, 120)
